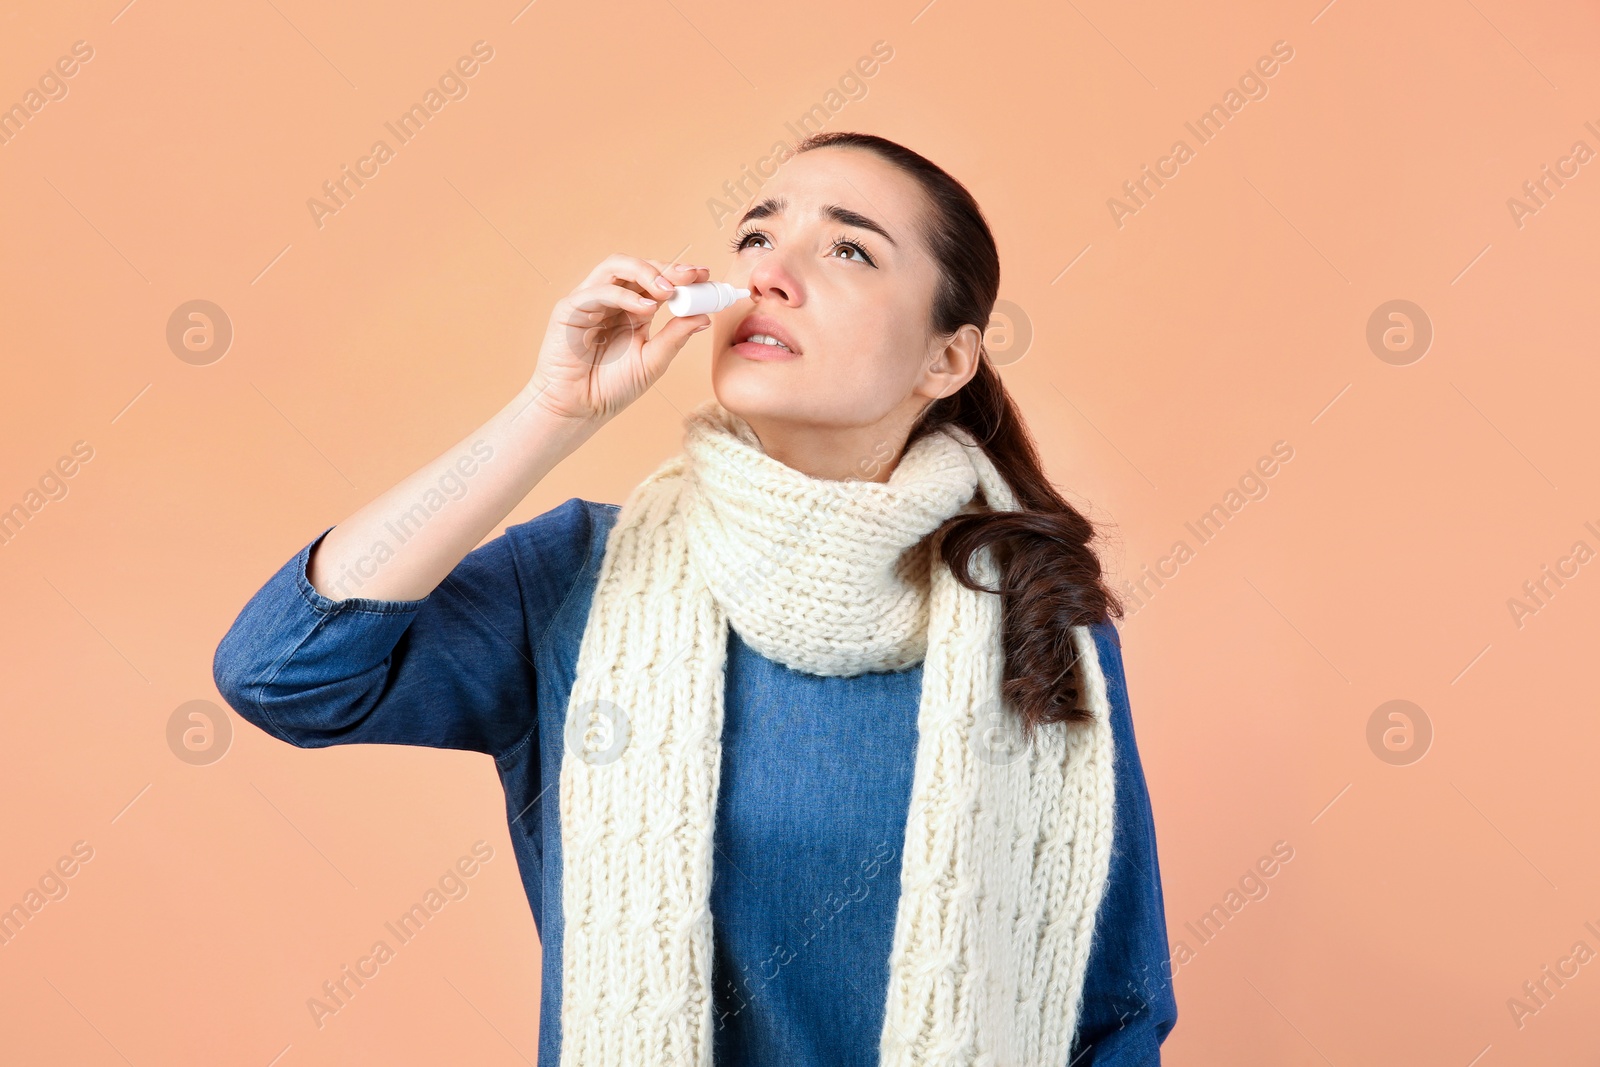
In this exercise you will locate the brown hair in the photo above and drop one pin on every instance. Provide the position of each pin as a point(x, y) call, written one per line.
point(1050, 578)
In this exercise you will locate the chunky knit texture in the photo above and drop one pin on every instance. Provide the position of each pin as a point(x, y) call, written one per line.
point(1006, 846)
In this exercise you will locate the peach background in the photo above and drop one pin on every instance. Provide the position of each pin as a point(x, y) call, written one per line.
point(1229, 313)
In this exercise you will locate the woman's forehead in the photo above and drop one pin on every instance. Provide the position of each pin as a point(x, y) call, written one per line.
point(850, 178)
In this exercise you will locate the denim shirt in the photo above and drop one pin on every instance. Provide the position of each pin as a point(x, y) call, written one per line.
point(814, 791)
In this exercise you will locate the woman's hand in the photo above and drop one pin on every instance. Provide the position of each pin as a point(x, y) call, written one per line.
point(597, 356)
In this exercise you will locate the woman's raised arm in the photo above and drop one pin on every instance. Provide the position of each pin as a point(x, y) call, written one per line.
point(595, 360)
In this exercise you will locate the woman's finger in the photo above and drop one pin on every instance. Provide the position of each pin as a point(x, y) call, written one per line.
point(682, 273)
point(668, 341)
point(599, 298)
point(641, 272)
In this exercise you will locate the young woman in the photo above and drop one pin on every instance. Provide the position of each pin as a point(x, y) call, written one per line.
point(817, 750)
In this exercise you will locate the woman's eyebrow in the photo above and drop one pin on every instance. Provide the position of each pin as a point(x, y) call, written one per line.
point(854, 218)
point(842, 215)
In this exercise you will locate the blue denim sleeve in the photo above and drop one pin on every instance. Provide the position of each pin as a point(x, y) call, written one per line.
point(451, 670)
point(1128, 1005)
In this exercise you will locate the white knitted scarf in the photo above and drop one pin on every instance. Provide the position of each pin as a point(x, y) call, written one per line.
point(1006, 846)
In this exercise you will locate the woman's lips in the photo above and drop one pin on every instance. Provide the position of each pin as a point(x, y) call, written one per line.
point(756, 325)
point(766, 353)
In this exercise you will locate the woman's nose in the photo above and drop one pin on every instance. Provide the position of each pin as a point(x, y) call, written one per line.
point(771, 280)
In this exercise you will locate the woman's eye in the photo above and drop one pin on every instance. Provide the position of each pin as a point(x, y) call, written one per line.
point(742, 241)
point(861, 254)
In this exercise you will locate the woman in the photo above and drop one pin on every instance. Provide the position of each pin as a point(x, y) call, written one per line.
point(817, 750)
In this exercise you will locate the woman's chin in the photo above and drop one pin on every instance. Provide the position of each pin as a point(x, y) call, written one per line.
point(772, 390)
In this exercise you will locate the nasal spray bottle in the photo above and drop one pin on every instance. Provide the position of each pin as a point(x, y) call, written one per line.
point(702, 298)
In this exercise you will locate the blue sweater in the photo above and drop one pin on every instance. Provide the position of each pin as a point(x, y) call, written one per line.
point(815, 787)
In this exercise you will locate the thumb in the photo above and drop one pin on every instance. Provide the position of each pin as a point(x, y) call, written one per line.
point(668, 341)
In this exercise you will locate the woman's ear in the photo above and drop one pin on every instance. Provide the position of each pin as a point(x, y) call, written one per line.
point(951, 363)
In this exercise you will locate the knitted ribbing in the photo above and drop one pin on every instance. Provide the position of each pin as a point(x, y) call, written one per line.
point(1006, 848)
point(814, 573)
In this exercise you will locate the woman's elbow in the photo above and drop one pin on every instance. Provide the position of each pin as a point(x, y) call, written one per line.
point(237, 679)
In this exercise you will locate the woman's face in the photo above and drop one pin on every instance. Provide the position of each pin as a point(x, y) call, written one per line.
point(852, 303)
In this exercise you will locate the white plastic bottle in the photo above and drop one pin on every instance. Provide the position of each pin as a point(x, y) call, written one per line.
point(702, 298)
